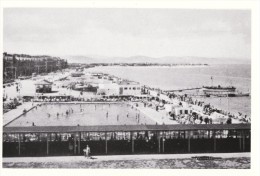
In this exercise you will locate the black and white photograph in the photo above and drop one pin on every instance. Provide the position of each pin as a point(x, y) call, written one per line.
point(127, 88)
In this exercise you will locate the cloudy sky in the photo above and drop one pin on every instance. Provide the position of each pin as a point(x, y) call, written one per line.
point(128, 32)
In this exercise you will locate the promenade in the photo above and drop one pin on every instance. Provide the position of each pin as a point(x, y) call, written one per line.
point(160, 117)
point(15, 113)
point(169, 161)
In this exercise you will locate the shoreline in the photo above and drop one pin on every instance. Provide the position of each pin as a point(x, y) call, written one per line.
point(154, 66)
point(67, 92)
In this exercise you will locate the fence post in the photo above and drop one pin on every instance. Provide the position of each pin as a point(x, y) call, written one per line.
point(79, 142)
point(214, 142)
point(159, 141)
point(19, 144)
point(188, 133)
point(75, 144)
point(106, 142)
point(133, 143)
point(48, 143)
point(240, 141)
point(243, 133)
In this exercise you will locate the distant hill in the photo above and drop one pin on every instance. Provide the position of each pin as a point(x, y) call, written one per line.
point(146, 59)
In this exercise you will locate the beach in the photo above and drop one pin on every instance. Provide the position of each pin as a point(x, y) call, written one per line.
point(183, 77)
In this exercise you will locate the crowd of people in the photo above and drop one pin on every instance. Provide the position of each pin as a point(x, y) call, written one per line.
point(193, 119)
point(79, 99)
point(209, 109)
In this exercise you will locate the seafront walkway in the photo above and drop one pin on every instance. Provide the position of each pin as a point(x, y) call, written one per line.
point(15, 113)
point(160, 117)
point(123, 157)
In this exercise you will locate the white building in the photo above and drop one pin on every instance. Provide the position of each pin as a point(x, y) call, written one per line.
point(180, 110)
point(129, 88)
point(154, 93)
point(108, 89)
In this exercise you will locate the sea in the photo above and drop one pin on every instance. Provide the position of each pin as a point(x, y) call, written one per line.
point(182, 77)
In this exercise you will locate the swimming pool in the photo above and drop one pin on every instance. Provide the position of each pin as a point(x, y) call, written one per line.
point(83, 114)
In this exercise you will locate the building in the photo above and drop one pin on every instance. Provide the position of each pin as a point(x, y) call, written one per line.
point(129, 88)
point(180, 110)
point(15, 65)
point(77, 74)
point(108, 89)
point(125, 139)
point(43, 86)
point(113, 87)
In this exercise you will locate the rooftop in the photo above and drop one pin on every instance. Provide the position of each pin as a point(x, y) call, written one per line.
point(127, 83)
point(43, 82)
point(112, 128)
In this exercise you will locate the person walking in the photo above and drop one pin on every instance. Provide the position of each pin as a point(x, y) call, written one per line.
point(87, 152)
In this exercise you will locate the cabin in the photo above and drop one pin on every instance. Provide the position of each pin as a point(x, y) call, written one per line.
point(43, 86)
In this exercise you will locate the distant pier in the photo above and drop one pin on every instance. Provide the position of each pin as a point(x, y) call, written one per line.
point(180, 90)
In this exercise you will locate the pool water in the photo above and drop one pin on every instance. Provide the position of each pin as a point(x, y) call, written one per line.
point(83, 115)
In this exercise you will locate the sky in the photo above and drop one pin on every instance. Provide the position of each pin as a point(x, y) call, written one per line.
point(128, 32)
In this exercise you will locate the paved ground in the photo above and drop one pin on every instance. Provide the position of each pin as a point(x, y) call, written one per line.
point(15, 113)
point(160, 117)
point(172, 161)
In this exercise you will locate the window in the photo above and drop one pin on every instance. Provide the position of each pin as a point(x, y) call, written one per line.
point(65, 136)
point(125, 88)
point(43, 136)
point(5, 137)
point(139, 135)
point(109, 135)
point(130, 88)
point(121, 135)
point(92, 136)
point(173, 135)
point(247, 133)
point(138, 88)
point(232, 133)
point(53, 136)
point(152, 135)
point(182, 134)
point(221, 133)
point(203, 134)
point(31, 137)
point(11, 137)
point(134, 88)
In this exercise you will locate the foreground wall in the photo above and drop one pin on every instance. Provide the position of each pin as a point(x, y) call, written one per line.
point(126, 142)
